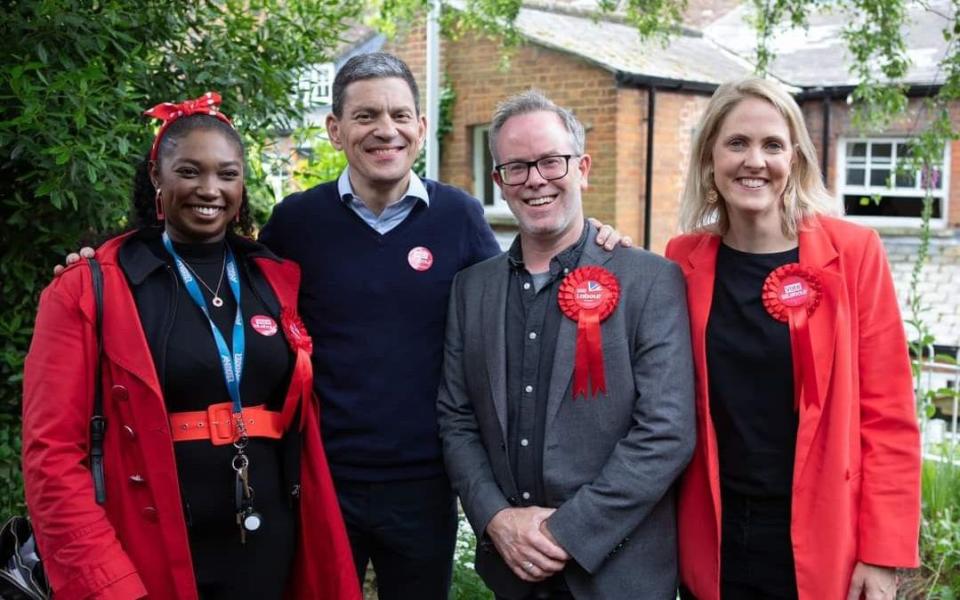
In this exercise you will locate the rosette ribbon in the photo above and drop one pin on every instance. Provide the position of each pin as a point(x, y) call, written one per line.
point(589, 295)
point(168, 112)
point(301, 387)
point(791, 293)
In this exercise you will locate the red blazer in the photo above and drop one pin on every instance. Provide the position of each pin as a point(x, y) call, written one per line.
point(136, 543)
point(856, 481)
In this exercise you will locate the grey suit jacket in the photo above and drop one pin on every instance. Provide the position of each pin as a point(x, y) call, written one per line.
point(609, 462)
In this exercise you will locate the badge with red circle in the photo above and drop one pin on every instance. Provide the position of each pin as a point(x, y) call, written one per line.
point(791, 293)
point(420, 258)
point(264, 325)
point(588, 296)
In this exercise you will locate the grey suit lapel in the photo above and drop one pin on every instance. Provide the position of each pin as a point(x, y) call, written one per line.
point(494, 315)
point(565, 353)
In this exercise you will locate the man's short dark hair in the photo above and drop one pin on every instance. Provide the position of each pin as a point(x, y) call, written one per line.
point(374, 65)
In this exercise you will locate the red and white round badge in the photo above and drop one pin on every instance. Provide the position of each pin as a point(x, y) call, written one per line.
point(420, 258)
point(264, 325)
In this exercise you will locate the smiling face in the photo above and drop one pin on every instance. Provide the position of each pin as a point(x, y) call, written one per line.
point(200, 176)
point(380, 132)
point(752, 155)
point(547, 210)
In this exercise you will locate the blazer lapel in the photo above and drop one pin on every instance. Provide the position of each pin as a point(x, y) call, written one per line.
point(818, 253)
point(565, 352)
point(699, 269)
point(494, 324)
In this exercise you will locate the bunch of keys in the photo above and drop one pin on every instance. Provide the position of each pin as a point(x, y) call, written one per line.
point(247, 518)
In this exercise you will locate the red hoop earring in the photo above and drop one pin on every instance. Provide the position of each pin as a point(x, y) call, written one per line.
point(159, 203)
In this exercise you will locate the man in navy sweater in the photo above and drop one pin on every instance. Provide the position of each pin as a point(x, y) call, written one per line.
point(378, 249)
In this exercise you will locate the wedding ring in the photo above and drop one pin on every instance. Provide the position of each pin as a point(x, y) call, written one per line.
point(527, 566)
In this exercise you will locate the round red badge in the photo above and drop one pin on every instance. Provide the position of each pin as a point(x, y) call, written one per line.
point(264, 325)
point(589, 294)
point(420, 258)
point(793, 291)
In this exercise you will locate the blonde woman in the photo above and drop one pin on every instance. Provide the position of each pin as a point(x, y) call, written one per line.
point(805, 480)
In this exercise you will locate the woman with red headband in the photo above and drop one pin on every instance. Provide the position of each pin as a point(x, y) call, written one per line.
point(216, 485)
point(805, 482)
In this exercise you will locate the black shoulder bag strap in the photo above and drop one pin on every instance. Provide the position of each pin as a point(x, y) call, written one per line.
point(98, 424)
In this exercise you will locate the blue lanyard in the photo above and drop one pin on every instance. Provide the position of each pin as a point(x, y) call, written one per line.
point(232, 364)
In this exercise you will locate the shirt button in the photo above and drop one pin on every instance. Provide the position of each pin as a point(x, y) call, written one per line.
point(526, 495)
point(528, 389)
point(533, 335)
point(526, 285)
point(149, 513)
point(524, 442)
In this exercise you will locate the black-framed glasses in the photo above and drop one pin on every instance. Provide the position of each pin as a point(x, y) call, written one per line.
point(550, 167)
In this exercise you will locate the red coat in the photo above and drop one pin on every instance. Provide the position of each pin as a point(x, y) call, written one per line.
point(136, 544)
point(856, 482)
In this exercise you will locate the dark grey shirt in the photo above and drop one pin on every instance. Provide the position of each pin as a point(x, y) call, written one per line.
point(532, 324)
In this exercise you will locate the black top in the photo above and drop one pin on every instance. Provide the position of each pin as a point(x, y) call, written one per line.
point(750, 371)
point(532, 325)
point(192, 379)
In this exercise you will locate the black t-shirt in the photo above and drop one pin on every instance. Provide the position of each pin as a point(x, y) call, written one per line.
point(750, 373)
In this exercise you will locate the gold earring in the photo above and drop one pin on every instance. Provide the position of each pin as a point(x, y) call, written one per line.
point(712, 196)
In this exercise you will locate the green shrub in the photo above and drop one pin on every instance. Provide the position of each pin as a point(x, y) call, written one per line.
point(467, 585)
point(940, 531)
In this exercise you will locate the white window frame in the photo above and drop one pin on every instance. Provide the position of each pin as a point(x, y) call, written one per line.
point(481, 177)
point(316, 85)
point(868, 190)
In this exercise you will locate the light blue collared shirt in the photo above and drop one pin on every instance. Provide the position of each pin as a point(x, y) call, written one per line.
point(393, 214)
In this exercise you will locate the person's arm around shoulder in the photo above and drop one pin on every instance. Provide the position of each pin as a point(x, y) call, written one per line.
point(890, 439)
point(653, 453)
point(82, 556)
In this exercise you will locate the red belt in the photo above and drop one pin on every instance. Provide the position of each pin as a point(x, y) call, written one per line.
point(218, 424)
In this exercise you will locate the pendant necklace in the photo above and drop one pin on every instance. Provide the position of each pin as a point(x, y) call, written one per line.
point(217, 300)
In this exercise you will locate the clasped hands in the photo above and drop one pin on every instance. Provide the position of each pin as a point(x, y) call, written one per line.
point(525, 543)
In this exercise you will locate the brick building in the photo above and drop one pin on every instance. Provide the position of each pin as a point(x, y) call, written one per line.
point(640, 102)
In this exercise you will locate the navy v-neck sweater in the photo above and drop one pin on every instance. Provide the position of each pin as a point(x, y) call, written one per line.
point(377, 322)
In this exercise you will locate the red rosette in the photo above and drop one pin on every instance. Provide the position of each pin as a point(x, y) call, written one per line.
point(791, 287)
point(588, 296)
point(791, 293)
point(301, 381)
point(295, 331)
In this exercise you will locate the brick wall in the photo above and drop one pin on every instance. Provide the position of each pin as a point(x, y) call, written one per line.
point(616, 122)
point(615, 119)
point(676, 116)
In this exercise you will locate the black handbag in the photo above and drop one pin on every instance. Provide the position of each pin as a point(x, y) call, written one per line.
point(21, 571)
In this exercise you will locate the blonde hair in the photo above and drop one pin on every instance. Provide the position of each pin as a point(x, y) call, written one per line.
point(804, 195)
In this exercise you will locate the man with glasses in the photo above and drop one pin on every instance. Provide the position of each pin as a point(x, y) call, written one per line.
point(566, 403)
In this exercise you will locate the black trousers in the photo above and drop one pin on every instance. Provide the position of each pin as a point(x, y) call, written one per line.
point(408, 529)
point(756, 556)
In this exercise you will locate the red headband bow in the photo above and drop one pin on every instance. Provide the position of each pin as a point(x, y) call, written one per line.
point(207, 104)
